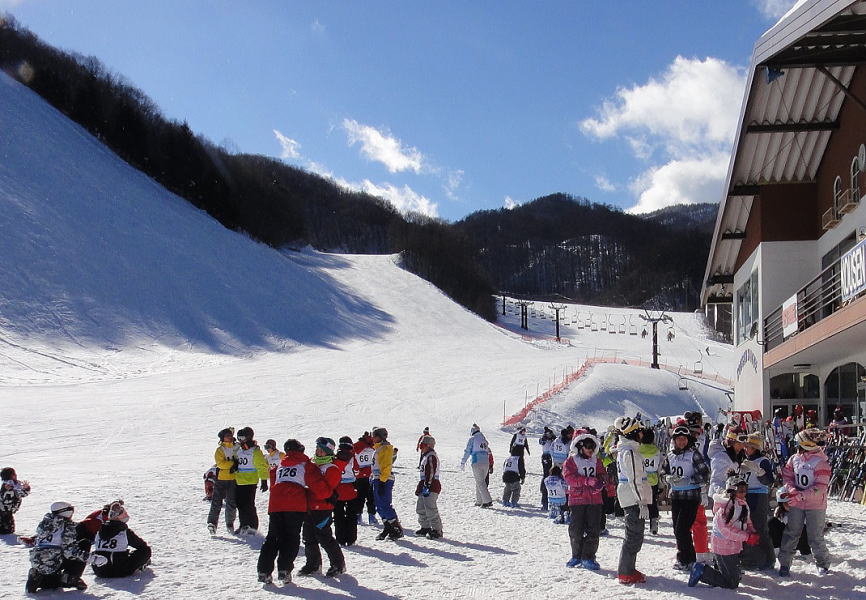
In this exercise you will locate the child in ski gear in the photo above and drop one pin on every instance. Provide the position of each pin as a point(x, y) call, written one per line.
point(296, 479)
point(209, 477)
point(364, 451)
point(477, 450)
point(686, 472)
point(700, 534)
point(272, 455)
point(489, 470)
point(113, 543)
point(608, 494)
point(225, 484)
point(520, 441)
point(560, 447)
point(805, 478)
point(11, 493)
point(586, 477)
point(726, 454)
point(780, 520)
point(513, 475)
point(634, 495)
point(652, 459)
point(757, 470)
point(556, 494)
point(424, 433)
point(345, 506)
point(546, 440)
point(731, 528)
point(383, 485)
point(251, 468)
point(56, 559)
point(428, 490)
point(317, 523)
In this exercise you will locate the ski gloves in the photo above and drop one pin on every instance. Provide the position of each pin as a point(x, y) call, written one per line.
point(264, 485)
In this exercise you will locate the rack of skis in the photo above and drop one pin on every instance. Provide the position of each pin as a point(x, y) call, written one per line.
point(847, 456)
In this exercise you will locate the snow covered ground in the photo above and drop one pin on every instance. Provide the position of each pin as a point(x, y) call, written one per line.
point(133, 328)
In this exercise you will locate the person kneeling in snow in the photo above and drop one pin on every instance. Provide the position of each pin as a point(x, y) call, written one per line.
point(11, 493)
point(112, 544)
point(56, 559)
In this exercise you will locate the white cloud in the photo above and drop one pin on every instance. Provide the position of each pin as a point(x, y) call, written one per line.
point(289, 146)
point(453, 179)
point(317, 27)
point(383, 147)
point(404, 199)
point(774, 9)
point(604, 184)
point(510, 203)
point(683, 121)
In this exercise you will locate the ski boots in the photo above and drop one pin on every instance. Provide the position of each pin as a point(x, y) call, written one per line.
point(590, 564)
point(308, 570)
point(265, 578)
point(423, 531)
point(572, 562)
point(211, 528)
point(285, 577)
point(695, 573)
point(654, 526)
point(434, 534)
point(335, 570)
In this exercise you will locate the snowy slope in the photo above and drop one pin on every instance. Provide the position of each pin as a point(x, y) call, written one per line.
point(133, 328)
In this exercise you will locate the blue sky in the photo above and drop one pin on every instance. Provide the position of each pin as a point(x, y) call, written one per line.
point(444, 107)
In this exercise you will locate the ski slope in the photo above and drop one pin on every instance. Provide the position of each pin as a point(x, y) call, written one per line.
point(133, 328)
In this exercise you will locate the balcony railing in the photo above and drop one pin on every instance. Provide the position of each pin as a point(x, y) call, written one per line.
point(816, 300)
point(848, 201)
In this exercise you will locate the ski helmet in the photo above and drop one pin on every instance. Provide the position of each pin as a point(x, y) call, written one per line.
point(756, 440)
point(326, 445)
point(246, 434)
point(626, 425)
point(227, 431)
point(736, 435)
point(474, 429)
point(293, 446)
point(810, 439)
point(117, 512)
point(681, 431)
point(733, 481)
point(62, 509)
point(380, 432)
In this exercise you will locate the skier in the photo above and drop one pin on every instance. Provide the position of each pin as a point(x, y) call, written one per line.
point(11, 493)
point(210, 477)
point(757, 470)
point(273, 456)
point(287, 507)
point(364, 451)
point(251, 468)
point(556, 494)
point(725, 455)
point(225, 485)
point(731, 527)
point(634, 496)
point(56, 559)
point(546, 440)
point(652, 458)
point(586, 477)
point(383, 485)
point(520, 441)
point(560, 447)
point(317, 522)
point(113, 543)
point(346, 506)
point(428, 490)
point(805, 478)
point(686, 472)
point(477, 450)
point(513, 475)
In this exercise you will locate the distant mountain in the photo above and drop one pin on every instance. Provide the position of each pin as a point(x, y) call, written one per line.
point(561, 245)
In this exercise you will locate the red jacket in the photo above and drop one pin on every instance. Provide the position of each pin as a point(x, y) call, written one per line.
point(363, 458)
point(299, 477)
point(89, 527)
point(331, 473)
point(346, 489)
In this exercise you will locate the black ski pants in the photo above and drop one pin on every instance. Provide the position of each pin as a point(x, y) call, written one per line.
point(282, 542)
point(365, 494)
point(317, 532)
point(546, 464)
point(7, 521)
point(683, 512)
point(122, 564)
point(346, 521)
point(245, 499)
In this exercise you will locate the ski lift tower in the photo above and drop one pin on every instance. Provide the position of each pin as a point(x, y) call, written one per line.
point(557, 308)
point(655, 317)
point(524, 314)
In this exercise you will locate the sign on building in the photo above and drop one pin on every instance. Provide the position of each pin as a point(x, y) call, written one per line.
point(853, 267)
point(789, 316)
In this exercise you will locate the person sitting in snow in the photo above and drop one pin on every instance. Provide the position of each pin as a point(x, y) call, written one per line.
point(11, 493)
point(56, 559)
point(113, 543)
point(556, 494)
point(513, 475)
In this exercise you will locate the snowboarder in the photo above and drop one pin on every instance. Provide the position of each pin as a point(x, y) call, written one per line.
point(513, 475)
point(287, 507)
point(652, 458)
point(113, 543)
point(346, 506)
point(634, 495)
point(251, 468)
point(272, 455)
point(686, 472)
point(56, 559)
point(731, 528)
point(477, 451)
point(586, 477)
point(11, 493)
point(520, 441)
point(364, 451)
point(428, 490)
point(805, 478)
point(382, 477)
point(757, 470)
point(556, 494)
point(225, 485)
point(546, 440)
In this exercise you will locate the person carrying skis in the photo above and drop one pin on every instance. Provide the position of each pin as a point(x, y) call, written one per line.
point(11, 493)
point(520, 441)
point(272, 455)
point(251, 468)
point(805, 477)
point(291, 482)
point(686, 472)
point(731, 528)
point(546, 440)
point(317, 522)
point(364, 452)
point(585, 477)
point(477, 450)
point(225, 484)
point(346, 506)
point(634, 496)
point(513, 475)
point(757, 470)
point(56, 559)
point(428, 490)
point(383, 485)
point(652, 459)
point(113, 543)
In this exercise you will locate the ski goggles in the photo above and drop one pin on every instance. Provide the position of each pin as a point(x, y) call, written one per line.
point(743, 438)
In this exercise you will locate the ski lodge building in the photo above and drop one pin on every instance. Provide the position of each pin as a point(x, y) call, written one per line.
point(789, 247)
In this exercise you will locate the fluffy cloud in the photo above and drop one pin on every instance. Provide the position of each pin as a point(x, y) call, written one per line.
point(452, 182)
point(604, 184)
point(510, 203)
point(404, 199)
point(683, 122)
point(384, 148)
point(774, 9)
point(289, 146)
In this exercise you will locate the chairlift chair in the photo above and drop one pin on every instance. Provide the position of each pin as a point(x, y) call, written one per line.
point(604, 324)
point(683, 384)
point(622, 325)
point(699, 366)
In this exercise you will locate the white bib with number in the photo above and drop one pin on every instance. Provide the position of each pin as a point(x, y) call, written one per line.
point(348, 473)
point(365, 457)
point(650, 464)
point(559, 450)
point(519, 439)
point(291, 474)
point(586, 467)
point(512, 463)
point(804, 473)
point(118, 543)
point(245, 459)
